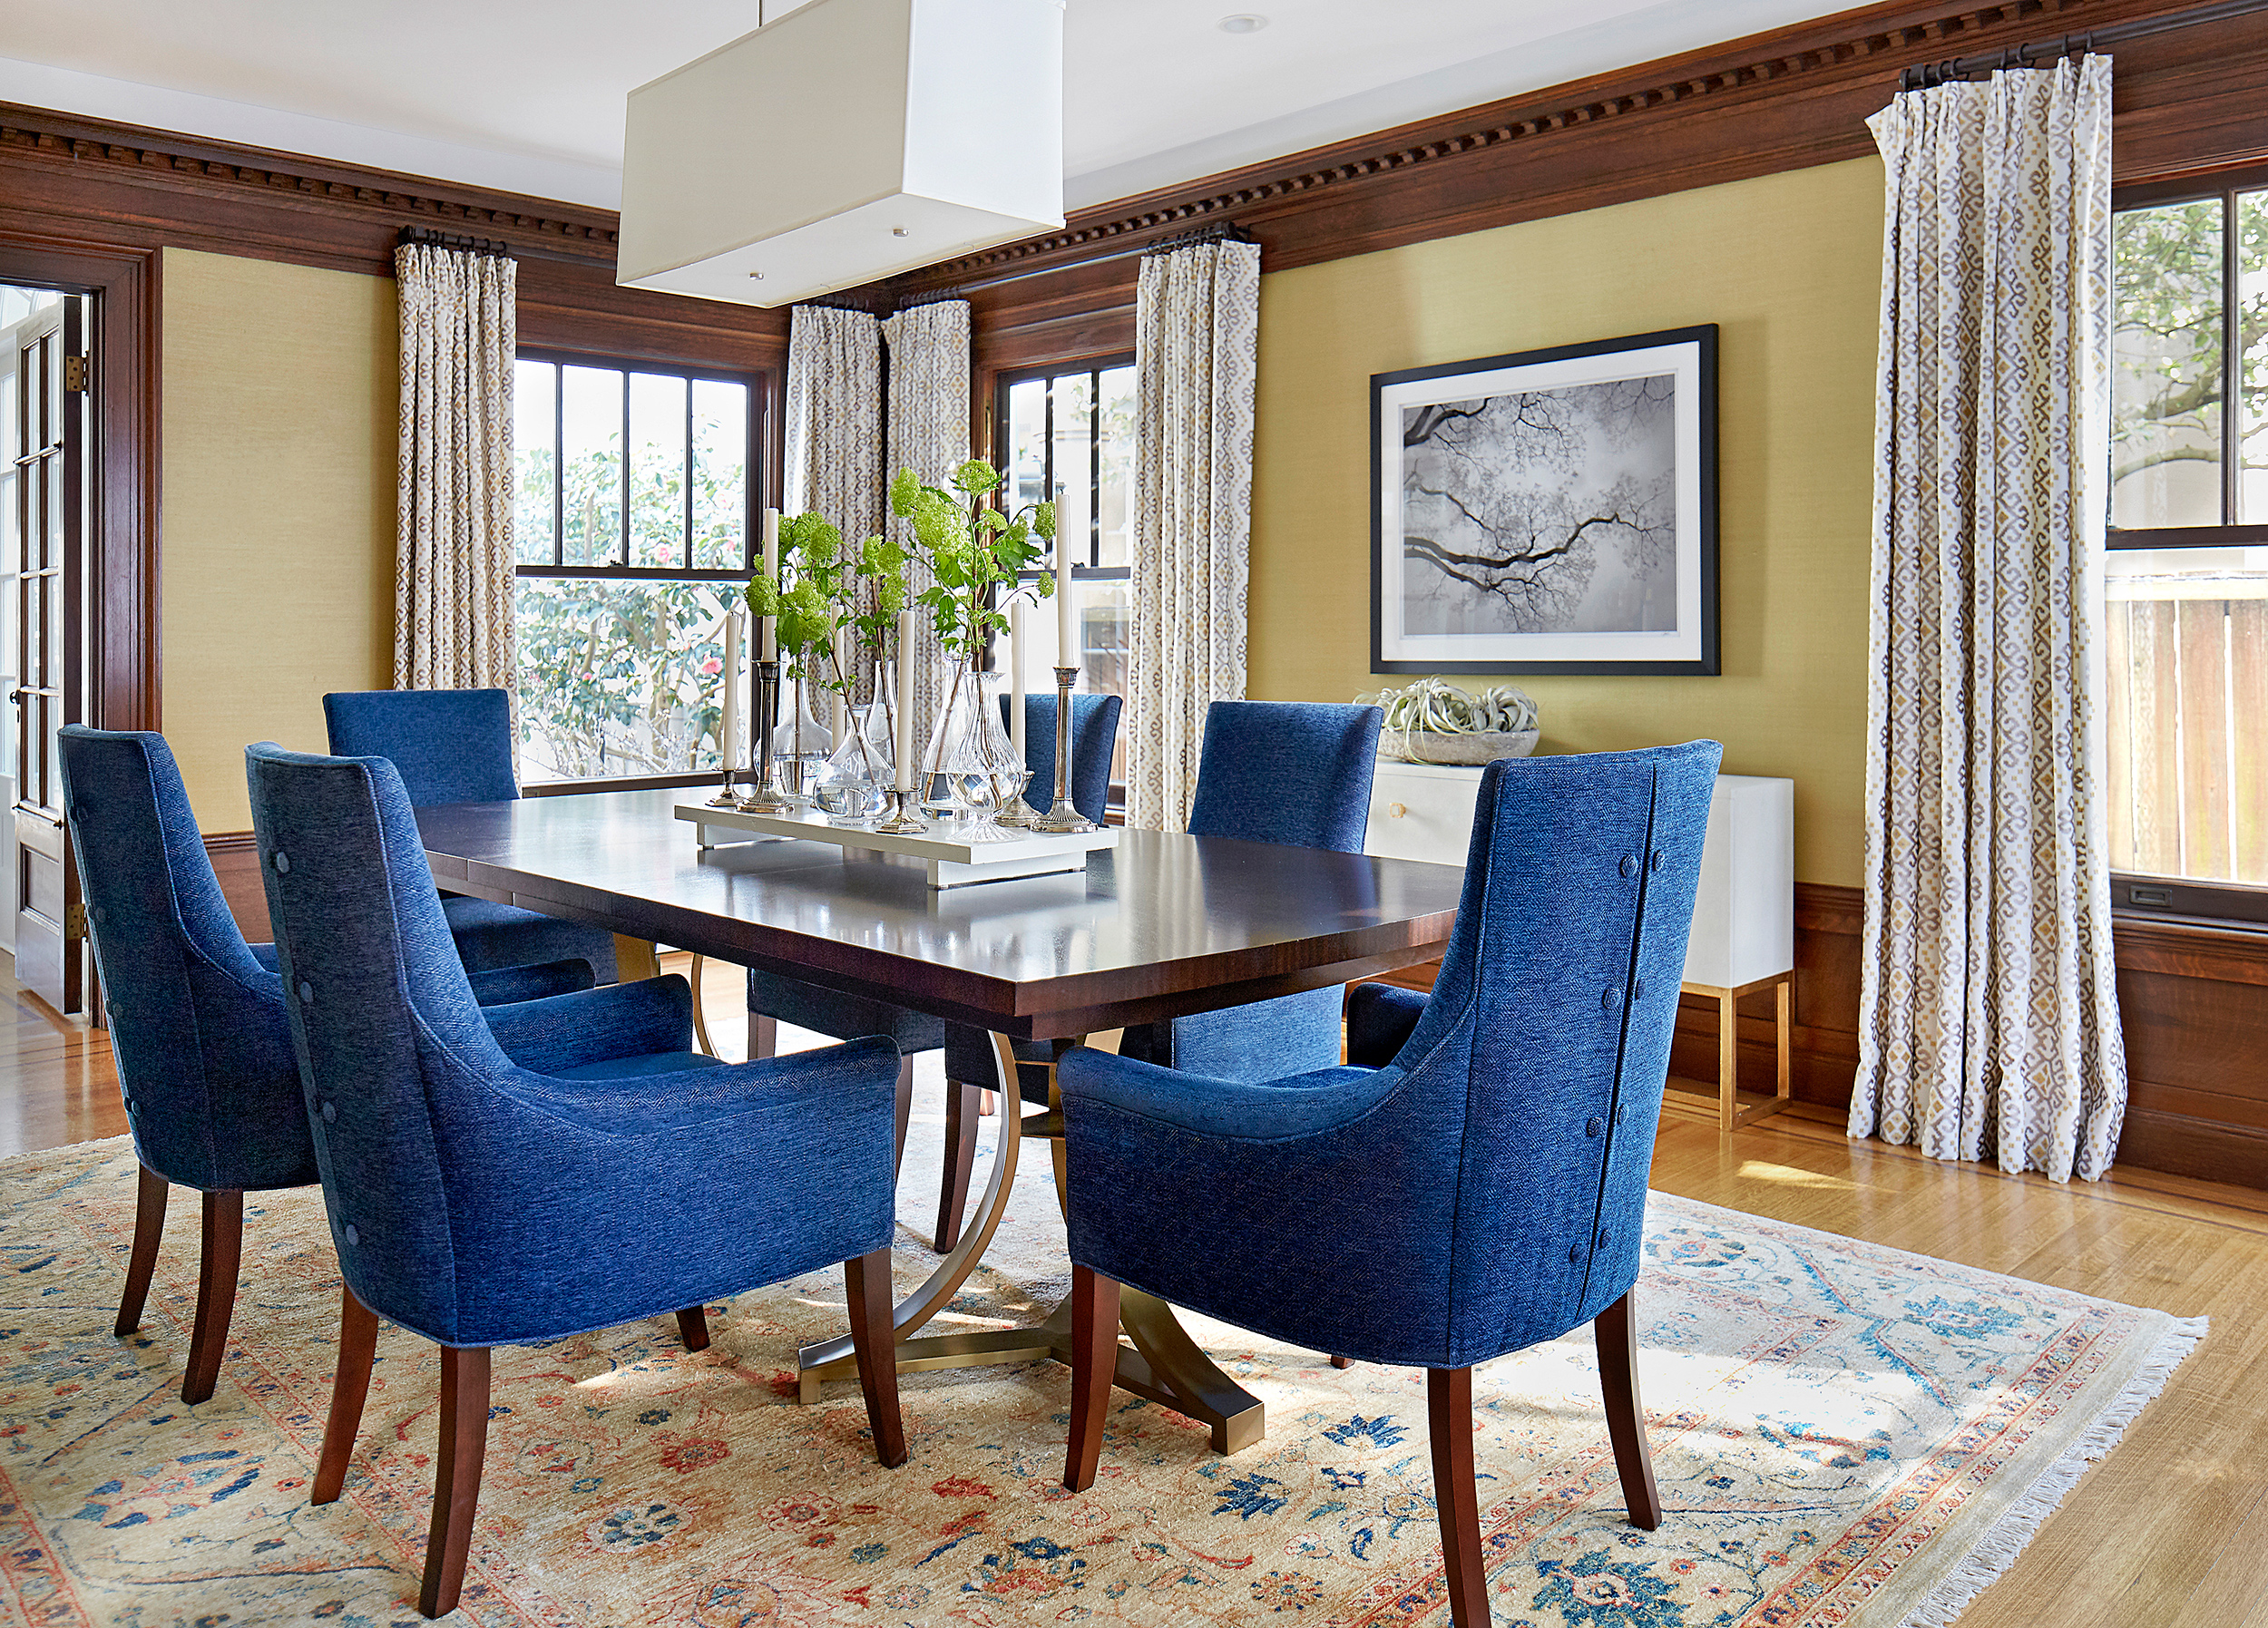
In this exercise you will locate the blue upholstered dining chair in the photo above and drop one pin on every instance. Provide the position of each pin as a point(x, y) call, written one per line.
point(1472, 1181)
point(455, 745)
point(554, 1167)
point(197, 1021)
point(1290, 772)
point(774, 998)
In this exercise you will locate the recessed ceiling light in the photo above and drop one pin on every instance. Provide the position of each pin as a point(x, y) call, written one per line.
point(1243, 22)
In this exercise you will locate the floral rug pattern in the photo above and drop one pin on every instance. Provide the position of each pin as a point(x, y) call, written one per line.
point(1835, 1426)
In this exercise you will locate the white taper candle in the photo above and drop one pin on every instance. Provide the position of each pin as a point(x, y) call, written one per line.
point(845, 643)
point(767, 638)
point(1066, 617)
point(1018, 641)
point(729, 732)
point(904, 743)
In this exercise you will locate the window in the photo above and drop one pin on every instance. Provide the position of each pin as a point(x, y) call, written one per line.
point(1069, 437)
point(2186, 642)
point(632, 528)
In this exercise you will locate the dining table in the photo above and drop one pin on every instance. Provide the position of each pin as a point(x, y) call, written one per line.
point(1160, 925)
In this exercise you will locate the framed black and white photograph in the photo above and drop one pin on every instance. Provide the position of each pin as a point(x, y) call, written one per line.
point(1552, 512)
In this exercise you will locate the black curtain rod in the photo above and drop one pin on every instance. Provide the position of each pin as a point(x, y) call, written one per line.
point(1922, 76)
point(439, 239)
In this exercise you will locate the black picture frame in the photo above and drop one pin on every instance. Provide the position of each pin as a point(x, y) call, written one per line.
point(1557, 377)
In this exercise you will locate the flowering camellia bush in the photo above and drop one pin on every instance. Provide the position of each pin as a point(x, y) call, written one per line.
point(619, 677)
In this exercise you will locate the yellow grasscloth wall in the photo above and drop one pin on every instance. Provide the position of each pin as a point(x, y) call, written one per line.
point(1789, 269)
point(279, 387)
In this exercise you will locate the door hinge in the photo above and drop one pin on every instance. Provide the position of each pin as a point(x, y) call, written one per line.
point(74, 375)
point(75, 922)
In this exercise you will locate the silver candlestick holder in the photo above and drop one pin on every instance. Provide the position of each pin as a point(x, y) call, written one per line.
point(727, 797)
point(769, 797)
point(1014, 811)
point(1063, 819)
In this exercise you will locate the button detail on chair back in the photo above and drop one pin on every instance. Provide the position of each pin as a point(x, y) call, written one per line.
point(1482, 1156)
point(503, 1181)
point(197, 1019)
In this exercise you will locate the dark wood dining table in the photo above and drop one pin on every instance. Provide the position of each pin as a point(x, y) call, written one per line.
point(1161, 925)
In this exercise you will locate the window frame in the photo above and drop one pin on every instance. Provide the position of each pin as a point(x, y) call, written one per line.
point(761, 384)
point(1095, 367)
point(2135, 893)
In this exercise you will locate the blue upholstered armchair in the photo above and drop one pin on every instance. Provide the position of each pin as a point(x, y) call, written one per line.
point(1288, 772)
point(1294, 773)
point(197, 1021)
point(506, 1185)
point(1473, 1180)
point(455, 745)
point(774, 998)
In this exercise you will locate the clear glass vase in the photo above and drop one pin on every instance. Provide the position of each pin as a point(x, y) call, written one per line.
point(850, 787)
point(970, 762)
point(801, 744)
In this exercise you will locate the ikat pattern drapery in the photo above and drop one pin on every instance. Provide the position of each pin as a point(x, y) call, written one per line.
point(929, 434)
point(1988, 1017)
point(452, 582)
point(1197, 343)
point(833, 428)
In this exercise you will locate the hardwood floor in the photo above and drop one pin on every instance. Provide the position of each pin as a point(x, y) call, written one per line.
point(2171, 1531)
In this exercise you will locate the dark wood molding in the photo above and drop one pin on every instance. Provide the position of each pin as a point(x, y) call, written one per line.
point(295, 207)
point(1784, 100)
point(235, 857)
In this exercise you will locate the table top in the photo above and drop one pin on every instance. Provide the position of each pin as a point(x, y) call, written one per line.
point(1163, 925)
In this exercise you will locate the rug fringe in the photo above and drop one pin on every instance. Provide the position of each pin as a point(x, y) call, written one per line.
point(1999, 1549)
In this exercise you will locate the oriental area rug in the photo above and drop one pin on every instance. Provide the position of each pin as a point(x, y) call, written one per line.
point(1843, 1434)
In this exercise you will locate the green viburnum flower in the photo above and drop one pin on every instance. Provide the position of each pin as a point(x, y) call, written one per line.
point(812, 538)
point(976, 478)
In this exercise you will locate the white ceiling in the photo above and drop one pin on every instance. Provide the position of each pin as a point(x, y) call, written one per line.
point(527, 95)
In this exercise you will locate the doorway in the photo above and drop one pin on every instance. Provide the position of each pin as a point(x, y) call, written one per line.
point(45, 431)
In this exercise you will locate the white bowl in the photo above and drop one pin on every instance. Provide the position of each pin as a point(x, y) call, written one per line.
point(1419, 746)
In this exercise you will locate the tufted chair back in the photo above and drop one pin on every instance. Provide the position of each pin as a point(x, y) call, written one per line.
point(385, 1021)
point(1296, 773)
point(1094, 736)
point(449, 746)
point(1549, 1027)
point(197, 1024)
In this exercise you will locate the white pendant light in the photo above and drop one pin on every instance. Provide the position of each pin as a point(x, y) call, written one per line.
point(841, 143)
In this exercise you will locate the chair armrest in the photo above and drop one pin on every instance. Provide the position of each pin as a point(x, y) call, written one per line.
point(1380, 1019)
point(596, 1025)
point(1301, 1105)
point(508, 986)
point(855, 1079)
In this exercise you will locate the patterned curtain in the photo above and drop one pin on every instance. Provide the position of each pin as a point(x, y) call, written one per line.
point(1989, 1016)
point(1197, 330)
point(453, 552)
point(833, 428)
point(929, 434)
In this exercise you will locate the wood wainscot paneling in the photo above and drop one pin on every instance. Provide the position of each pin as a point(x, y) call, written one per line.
point(236, 862)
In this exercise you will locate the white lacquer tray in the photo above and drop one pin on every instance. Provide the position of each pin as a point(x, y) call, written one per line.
point(951, 863)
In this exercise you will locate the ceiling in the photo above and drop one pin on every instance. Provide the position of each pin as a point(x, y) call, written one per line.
point(527, 95)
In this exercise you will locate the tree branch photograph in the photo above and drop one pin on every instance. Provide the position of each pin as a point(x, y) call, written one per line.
point(1552, 511)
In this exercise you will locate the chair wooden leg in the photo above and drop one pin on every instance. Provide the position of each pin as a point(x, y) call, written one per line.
point(1342, 1362)
point(351, 1384)
point(456, 1477)
point(149, 1227)
point(904, 1116)
point(874, 1340)
point(952, 1190)
point(693, 1328)
point(216, 1292)
point(1456, 1497)
point(763, 1035)
point(1617, 1331)
point(1094, 1307)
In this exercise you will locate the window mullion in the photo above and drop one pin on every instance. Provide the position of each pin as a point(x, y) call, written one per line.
point(621, 546)
point(2232, 442)
point(559, 466)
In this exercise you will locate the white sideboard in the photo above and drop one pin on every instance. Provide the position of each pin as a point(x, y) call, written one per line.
point(1743, 911)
